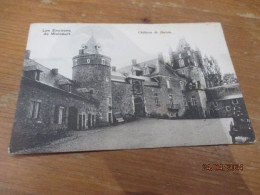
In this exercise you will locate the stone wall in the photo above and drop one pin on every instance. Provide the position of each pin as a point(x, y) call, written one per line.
point(221, 109)
point(122, 98)
point(96, 77)
point(163, 97)
point(201, 99)
point(29, 130)
point(194, 74)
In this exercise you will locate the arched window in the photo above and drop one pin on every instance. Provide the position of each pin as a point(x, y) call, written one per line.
point(182, 85)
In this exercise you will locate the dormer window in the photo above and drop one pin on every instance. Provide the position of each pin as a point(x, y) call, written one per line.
point(97, 47)
point(33, 74)
point(103, 61)
point(69, 88)
point(146, 71)
point(66, 87)
point(37, 75)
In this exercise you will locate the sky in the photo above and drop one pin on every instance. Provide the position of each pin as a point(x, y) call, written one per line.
point(124, 42)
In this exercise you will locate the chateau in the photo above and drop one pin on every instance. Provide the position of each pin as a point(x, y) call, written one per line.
point(187, 86)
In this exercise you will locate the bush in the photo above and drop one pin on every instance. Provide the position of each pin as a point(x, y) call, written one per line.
point(153, 115)
point(129, 117)
point(165, 116)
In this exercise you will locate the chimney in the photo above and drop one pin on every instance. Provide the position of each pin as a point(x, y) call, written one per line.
point(54, 71)
point(27, 54)
point(113, 68)
point(81, 51)
point(160, 58)
point(134, 62)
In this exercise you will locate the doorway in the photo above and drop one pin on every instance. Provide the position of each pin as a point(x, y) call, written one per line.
point(92, 122)
point(89, 121)
point(72, 119)
point(110, 118)
point(139, 107)
point(80, 122)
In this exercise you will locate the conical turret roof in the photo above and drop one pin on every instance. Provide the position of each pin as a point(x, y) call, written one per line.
point(92, 46)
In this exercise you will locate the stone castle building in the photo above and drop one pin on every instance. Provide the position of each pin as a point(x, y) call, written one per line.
point(98, 94)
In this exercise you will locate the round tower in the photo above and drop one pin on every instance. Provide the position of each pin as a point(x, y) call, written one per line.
point(92, 70)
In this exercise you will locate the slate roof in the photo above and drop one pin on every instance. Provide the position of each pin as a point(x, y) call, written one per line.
point(158, 67)
point(92, 46)
point(50, 79)
point(117, 76)
point(47, 77)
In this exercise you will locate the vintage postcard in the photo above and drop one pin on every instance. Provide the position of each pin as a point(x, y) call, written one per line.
point(88, 87)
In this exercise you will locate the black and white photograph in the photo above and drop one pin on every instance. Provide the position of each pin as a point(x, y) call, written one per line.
point(87, 87)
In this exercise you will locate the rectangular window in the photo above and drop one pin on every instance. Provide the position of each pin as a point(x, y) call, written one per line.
point(168, 84)
point(103, 61)
point(185, 101)
point(37, 75)
point(34, 109)
point(195, 63)
point(156, 100)
point(60, 115)
point(109, 101)
point(198, 84)
point(181, 62)
point(193, 101)
point(171, 99)
point(195, 60)
point(182, 85)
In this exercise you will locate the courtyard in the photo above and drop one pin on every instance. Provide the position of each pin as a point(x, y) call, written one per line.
point(143, 133)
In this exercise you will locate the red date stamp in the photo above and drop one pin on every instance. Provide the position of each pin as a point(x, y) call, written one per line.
point(222, 167)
